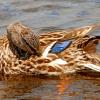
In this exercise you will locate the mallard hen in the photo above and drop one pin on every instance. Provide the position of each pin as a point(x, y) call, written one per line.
point(53, 53)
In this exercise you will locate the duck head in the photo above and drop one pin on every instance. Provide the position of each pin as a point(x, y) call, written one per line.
point(22, 40)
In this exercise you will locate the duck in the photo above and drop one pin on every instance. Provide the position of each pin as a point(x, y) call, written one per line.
point(51, 53)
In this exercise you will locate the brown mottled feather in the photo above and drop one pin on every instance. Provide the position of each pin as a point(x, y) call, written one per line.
point(22, 37)
point(76, 55)
point(75, 33)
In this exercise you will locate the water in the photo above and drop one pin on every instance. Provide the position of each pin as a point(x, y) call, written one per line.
point(68, 88)
point(49, 15)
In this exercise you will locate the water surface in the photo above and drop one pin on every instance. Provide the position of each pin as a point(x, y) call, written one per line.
point(50, 15)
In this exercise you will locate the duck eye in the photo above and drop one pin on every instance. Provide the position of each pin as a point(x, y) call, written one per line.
point(60, 46)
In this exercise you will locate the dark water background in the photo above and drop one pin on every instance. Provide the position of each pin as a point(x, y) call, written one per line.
point(48, 15)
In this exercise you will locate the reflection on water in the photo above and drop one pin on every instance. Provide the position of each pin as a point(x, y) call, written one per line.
point(50, 15)
point(66, 88)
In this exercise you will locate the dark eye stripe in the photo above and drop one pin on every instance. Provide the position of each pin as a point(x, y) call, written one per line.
point(60, 46)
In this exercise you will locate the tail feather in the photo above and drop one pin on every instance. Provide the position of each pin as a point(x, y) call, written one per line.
point(81, 32)
point(47, 38)
point(93, 67)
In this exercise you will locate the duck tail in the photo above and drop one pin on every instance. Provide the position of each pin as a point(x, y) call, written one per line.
point(80, 32)
point(97, 37)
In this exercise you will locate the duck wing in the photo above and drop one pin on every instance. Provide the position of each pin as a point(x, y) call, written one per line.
point(47, 38)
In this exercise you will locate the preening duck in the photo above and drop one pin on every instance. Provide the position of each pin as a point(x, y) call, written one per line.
point(53, 53)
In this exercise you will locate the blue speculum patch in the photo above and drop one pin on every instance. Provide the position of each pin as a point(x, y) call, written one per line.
point(60, 46)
